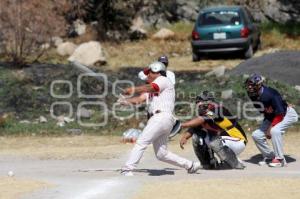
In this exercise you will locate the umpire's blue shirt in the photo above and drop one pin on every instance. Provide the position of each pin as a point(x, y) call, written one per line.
point(274, 105)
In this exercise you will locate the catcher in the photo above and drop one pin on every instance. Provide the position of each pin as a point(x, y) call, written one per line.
point(215, 130)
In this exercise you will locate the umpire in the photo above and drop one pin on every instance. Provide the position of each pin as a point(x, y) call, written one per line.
point(278, 117)
point(215, 130)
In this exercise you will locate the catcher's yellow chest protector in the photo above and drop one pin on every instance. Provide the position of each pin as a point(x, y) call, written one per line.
point(226, 125)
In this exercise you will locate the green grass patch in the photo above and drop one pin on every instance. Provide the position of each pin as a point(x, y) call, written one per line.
point(182, 27)
point(289, 29)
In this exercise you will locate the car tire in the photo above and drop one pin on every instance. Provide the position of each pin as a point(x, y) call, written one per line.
point(195, 57)
point(249, 52)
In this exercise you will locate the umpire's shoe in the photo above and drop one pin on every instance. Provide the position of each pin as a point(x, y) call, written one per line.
point(195, 167)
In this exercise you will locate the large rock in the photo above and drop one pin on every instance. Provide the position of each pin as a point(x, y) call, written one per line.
point(227, 94)
point(282, 11)
point(88, 54)
point(218, 72)
point(79, 26)
point(137, 30)
point(273, 10)
point(84, 113)
point(66, 48)
point(164, 33)
point(56, 41)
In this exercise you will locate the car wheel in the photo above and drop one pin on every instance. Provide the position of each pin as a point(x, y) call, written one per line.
point(249, 52)
point(196, 57)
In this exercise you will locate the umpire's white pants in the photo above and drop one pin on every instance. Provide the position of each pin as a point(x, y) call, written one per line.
point(156, 132)
point(259, 136)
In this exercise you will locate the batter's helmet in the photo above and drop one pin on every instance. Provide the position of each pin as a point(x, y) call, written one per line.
point(163, 59)
point(253, 84)
point(156, 67)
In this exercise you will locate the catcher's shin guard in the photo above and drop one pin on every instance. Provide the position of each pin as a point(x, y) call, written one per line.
point(225, 153)
point(204, 153)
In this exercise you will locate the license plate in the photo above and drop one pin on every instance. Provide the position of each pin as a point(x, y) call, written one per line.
point(221, 35)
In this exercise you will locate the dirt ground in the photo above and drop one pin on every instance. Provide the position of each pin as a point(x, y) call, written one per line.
point(51, 167)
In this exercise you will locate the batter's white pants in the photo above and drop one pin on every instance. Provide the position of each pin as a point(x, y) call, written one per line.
point(277, 131)
point(156, 132)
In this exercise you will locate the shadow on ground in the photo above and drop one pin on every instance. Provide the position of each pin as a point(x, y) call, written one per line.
point(258, 157)
point(157, 172)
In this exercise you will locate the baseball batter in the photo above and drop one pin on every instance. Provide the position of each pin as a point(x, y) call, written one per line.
point(160, 94)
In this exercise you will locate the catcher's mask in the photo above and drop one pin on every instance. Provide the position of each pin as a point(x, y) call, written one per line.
point(253, 84)
point(205, 102)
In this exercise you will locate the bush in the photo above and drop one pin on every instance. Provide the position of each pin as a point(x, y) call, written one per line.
point(289, 29)
point(25, 26)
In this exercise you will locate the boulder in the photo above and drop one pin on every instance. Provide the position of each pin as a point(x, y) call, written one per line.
point(273, 10)
point(79, 27)
point(66, 48)
point(136, 30)
point(42, 119)
point(88, 54)
point(74, 131)
point(84, 113)
point(56, 41)
point(227, 94)
point(218, 72)
point(164, 34)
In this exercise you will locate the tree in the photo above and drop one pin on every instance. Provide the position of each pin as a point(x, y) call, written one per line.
point(26, 25)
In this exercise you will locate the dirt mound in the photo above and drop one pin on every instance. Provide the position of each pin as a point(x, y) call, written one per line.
point(282, 66)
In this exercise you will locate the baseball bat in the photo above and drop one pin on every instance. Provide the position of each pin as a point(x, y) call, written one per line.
point(85, 69)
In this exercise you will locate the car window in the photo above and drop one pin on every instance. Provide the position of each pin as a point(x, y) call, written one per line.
point(220, 18)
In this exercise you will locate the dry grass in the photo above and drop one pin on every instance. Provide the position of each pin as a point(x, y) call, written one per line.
point(106, 147)
point(79, 147)
point(253, 188)
point(141, 53)
point(279, 41)
point(12, 188)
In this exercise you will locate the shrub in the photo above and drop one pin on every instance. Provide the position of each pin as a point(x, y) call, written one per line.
point(25, 26)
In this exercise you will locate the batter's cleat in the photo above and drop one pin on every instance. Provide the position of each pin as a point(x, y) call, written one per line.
point(194, 168)
point(126, 173)
point(277, 163)
point(265, 161)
